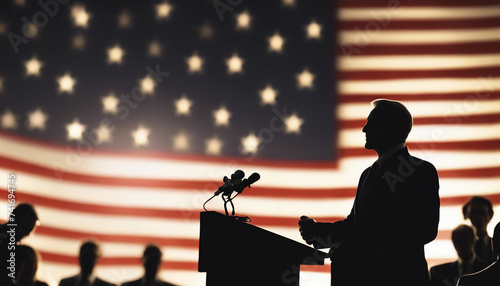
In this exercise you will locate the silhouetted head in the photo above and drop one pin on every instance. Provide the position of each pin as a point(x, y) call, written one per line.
point(496, 239)
point(25, 217)
point(463, 238)
point(89, 256)
point(388, 125)
point(151, 259)
point(26, 265)
point(480, 211)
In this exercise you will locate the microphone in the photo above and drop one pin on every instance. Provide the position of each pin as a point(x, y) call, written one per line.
point(227, 188)
point(247, 182)
point(227, 183)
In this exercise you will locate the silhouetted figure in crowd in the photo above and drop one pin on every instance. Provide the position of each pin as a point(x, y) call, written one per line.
point(151, 260)
point(22, 222)
point(90, 254)
point(395, 212)
point(446, 274)
point(26, 267)
point(489, 276)
point(480, 211)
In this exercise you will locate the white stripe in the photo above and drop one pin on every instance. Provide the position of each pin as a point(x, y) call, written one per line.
point(417, 62)
point(453, 111)
point(397, 12)
point(478, 87)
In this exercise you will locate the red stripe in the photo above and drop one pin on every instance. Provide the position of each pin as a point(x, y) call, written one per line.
point(418, 74)
point(420, 3)
point(383, 21)
point(486, 47)
point(461, 200)
point(466, 97)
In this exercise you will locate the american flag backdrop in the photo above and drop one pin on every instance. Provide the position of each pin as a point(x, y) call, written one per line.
point(120, 118)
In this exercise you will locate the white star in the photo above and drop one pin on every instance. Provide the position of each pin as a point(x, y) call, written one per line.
point(305, 79)
point(222, 116)
point(103, 134)
point(30, 31)
point(243, 20)
point(195, 63)
point(75, 130)
point(276, 43)
point(288, 2)
point(140, 136)
point(313, 30)
point(234, 64)
point(115, 55)
point(33, 67)
point(154, 49)
point(181, 142)
point(163, 10)
point(147, 85)
point(36, 119)
point(250, 144)
point(293, 123)
point(79, 42)
point(183, 105)
point(9, 120)
point(213, 146)
point(66, 83)
point(268, 96)
point(80, 16)
point(206, 31)
point(124, 20)
point(110, 103)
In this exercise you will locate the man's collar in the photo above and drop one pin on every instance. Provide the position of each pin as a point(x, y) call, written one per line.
point(382, 159)
point(91, 278)
point(467, 262)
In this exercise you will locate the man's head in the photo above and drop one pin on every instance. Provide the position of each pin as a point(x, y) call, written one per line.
point(151, 259)
point(480, 211)
point(496, 239)
point(388, 124)
point(463, 238)
point(27, 265)
point(89, 256)
point(26, 218)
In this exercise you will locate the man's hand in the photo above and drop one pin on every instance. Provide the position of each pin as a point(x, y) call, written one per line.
point(307, 229)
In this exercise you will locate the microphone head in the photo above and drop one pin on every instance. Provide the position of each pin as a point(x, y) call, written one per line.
point(253, 178)
point(237, 175)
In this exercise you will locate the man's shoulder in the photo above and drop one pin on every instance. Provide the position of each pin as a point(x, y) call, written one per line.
point(487, 276)
point(68, 281)
point(443, 267)
point(132, 282)
point(100, 282)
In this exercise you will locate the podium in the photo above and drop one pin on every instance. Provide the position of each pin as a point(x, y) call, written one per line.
point(236, 253)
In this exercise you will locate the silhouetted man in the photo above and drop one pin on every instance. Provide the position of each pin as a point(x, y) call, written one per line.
point(480, 211)
point(90, 254)
point(395, 211)
point(446, 274)
point(489, 276)
point(151, 260)
point(21, 223)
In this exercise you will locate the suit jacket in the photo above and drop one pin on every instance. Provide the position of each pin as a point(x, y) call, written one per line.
point(447, 274)
point(384, 237)
point(489, 276)
point(138, 282)
point(73, 280)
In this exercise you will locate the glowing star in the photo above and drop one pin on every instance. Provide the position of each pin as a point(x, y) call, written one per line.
point(30, 31)
point(103, 134)
point(213, 146)
point(313, 30)
point(1, 83)
point(234, 64)
point(268, 96)
point(66, 83)
point(154, 49)
point(305, 79)
point(293, 123)
point(243, 21)
point(20, 2)
point(182, 105)
point(289, 3)
point(250, 144)
point(33, 67)
point(147, 85)
point(194, 62)
point(276, 43)
point(75, 130)
point(140, 136)
point(124, 20)
point(222, 116)
point(115, 55)
point(110, 104)
point(3, 28)
point(206, 31)
point(163, 10)
point(9, 120)
point(79, 42)
point(80, 16)
point(181, 142)
point(36, 119)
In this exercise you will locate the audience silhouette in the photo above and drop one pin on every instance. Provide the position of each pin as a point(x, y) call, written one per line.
point(27, 265)
point(463, 238)
point(395, 212)
point(151, 260)
point(489, 276)
point(89, 255)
